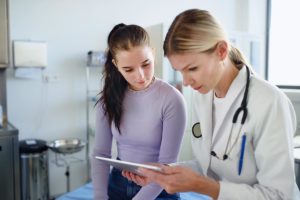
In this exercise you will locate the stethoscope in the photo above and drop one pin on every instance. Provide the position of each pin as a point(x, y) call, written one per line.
point(196, 129)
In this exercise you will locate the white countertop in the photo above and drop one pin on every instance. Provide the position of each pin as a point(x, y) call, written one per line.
point(297, 149)
point(297, 155)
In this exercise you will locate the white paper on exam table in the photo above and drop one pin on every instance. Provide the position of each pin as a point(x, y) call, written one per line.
point(128, 166)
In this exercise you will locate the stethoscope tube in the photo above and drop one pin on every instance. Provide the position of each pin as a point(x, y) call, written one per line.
point(243, 107)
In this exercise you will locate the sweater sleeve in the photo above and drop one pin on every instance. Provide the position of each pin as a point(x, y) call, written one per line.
point(174, 122)
point(102, 147)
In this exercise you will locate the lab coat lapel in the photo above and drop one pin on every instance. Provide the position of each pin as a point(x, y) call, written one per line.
point(206, 126)
point(235, 89)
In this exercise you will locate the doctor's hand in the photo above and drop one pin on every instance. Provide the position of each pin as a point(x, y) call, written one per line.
point(182, 179)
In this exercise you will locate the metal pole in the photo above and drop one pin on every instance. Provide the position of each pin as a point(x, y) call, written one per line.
point(87, 149)
point(68, 177)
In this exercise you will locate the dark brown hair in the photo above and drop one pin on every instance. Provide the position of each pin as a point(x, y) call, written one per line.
point(121, 37)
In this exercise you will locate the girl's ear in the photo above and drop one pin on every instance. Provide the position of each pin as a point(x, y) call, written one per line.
point(114, 62)
point(222, 49)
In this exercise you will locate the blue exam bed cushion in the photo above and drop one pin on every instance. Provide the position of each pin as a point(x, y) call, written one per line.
point(85, 192)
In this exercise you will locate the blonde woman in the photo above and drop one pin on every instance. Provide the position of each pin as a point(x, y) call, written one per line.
point(243, 126)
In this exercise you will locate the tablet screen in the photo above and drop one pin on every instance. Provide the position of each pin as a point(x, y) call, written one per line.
point(128, 166)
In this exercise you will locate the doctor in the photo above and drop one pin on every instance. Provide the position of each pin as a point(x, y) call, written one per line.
point(243, 126)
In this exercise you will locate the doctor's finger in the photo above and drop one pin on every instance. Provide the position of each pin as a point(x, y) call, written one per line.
point(171, 169)
point(166, 169)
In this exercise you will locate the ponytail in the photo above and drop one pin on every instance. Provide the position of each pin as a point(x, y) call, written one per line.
point(113, 92)
point(238, 58)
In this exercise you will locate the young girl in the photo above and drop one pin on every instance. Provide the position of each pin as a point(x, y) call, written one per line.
point(145, 115)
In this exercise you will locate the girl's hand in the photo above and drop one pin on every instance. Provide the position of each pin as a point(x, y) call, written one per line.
point(140, 180)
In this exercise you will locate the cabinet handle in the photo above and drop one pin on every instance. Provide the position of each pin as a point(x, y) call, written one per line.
point(0, 148)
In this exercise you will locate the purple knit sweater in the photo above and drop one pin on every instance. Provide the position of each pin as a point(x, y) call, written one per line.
point(152, 126)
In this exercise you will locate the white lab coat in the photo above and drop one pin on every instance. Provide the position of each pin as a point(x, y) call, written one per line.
point(268, 167)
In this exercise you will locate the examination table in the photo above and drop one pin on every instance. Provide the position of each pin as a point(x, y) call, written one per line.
point(86, 193)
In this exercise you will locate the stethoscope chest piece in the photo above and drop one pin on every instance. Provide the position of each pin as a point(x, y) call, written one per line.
point(196, 130)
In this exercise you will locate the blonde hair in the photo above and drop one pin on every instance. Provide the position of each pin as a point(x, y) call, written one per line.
point(198, 31)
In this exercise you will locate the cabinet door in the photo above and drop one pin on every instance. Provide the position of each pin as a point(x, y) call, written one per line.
point(6, 169)
point(156, 37)
point(3, 34)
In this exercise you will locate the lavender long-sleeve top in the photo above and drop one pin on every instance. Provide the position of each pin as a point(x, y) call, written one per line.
point(152, 126)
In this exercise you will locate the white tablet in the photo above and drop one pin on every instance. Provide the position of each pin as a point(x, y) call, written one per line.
point(128, 166)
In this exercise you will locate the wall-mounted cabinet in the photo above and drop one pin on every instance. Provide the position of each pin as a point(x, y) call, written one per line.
point(4, 52)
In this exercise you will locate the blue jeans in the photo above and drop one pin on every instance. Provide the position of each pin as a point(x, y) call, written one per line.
point(120, 188)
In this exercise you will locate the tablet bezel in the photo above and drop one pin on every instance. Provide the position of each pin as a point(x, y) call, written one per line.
point(127, 166)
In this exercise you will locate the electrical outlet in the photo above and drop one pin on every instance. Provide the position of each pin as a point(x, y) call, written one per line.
point(50, 78)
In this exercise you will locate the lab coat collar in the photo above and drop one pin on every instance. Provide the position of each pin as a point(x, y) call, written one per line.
point(202, 149)
point(235, 89)
point(204, 108)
